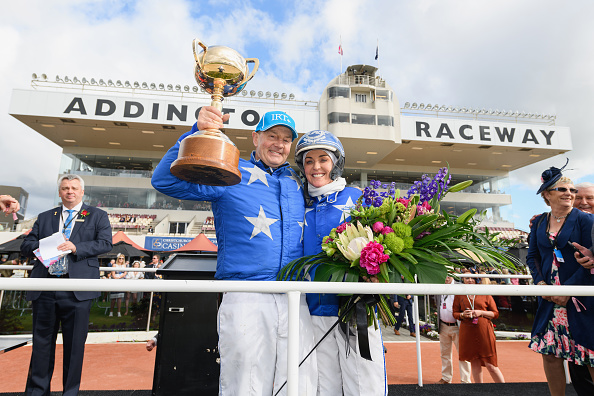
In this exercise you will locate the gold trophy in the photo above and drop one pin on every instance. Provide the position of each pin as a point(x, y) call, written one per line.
point(210, 157)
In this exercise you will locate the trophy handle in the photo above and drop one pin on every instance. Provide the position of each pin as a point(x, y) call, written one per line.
point(256, 63)
point(200, 43)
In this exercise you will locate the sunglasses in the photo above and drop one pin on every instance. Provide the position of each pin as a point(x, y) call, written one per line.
point(564, 189)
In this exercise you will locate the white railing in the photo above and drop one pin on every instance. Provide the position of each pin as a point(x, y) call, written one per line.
point(293, 289)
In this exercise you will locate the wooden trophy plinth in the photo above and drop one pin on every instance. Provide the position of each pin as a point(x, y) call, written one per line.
point(207, 159)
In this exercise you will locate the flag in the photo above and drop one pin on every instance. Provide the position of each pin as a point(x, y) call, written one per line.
point(376, 52)
point(340, 49)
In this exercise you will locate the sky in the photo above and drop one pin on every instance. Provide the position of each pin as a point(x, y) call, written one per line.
point(532, 56)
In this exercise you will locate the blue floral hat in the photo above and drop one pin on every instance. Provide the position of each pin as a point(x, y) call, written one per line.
point(550, 177)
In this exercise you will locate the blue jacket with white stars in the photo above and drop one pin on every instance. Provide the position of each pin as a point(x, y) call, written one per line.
point(326, 214)
point(258, 222)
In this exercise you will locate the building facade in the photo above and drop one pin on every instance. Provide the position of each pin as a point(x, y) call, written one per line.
point(113, 134)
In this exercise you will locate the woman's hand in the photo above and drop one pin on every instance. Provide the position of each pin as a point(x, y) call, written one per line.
point(560, 300)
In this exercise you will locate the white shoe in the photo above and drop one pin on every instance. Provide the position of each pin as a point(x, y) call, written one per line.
point(111, 314)
point(119, 314)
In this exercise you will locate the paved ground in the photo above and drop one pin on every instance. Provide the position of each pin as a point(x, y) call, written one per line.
point(126, 365)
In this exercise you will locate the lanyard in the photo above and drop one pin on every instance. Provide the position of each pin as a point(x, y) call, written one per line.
point(471, 302)
point(65, 226)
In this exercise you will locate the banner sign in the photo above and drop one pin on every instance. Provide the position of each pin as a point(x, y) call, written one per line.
point(489, 133)
point(165, 243)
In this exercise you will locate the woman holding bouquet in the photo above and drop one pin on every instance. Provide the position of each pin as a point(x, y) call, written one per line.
point(321, 158)
point(562, 328)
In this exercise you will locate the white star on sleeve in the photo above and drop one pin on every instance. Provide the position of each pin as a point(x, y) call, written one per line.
point(307, 210)
point(261, 224)
point(345, 209)
point(256, 174)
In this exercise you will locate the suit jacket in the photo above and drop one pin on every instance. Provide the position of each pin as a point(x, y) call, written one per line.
point(91, 235)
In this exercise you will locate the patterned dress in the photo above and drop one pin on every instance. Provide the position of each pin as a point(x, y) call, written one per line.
point(557, 339)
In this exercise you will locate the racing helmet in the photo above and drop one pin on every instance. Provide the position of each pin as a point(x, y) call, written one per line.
point(320, 140)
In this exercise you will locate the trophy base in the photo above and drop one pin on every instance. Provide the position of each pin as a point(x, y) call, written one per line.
point(207, 159)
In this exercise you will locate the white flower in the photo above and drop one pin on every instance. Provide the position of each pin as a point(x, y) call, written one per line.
point(353, 239)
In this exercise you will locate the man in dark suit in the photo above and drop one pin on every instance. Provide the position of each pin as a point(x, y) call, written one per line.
point(404, 304)
point(88, 235)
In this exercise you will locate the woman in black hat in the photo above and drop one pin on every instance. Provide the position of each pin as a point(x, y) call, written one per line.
point(562, 328)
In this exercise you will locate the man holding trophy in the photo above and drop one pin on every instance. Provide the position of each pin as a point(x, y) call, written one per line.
point(258, 207)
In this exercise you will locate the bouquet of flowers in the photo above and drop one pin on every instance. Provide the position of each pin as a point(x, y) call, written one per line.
point(397, 239)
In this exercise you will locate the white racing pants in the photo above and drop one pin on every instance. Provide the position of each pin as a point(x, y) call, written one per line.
point(253, 331)
point(350, 375)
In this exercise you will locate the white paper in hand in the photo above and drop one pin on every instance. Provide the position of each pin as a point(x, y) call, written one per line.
point(48, 247)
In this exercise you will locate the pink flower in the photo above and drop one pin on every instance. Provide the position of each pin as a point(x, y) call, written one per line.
point(560, 318)
point(549, 338)
point(403, 201)
point(341, 227)
point(372, 255)
point(387, 230)
point(378, 226)
point(423, 208)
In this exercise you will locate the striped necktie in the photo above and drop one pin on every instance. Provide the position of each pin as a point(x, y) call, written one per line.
point(68, 224)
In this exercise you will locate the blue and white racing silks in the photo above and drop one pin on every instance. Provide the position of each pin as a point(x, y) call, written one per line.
point(258, 222)
point(326, 213)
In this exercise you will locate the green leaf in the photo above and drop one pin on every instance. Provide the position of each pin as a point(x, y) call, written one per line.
point(466, 216)
point(460, 186)
point(429, 272)
point(401, 268)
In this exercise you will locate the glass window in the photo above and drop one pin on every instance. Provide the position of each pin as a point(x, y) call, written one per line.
point(335, 117)
point(367, 119)
point(361, 98)
point(383, 94)
point(339, 92)
point(385, 120)
point(177, 228)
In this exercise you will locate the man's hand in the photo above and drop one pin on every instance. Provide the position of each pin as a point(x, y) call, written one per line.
point(587, 261)
point(8, 204)
point(67, 246)
point(150, 344)
point(531, 220)
point(211, 118)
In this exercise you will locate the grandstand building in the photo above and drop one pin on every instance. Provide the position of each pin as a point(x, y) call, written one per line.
point(113, 134)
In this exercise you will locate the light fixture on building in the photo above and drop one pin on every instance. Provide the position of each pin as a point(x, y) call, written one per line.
point(472, 163)
point(252, 93)
point(417, 148)
point(244, 92)
point(241, 137)
point(136, 84)
point(414, 106)
point(186, 88)
point(506, 166)
point(118, 83)
point(400, 159)
point(93, 81)
point(98, 129)
point(268, 94)
point(361, 162)
point(48, 125)
point(372, 152)
point(161, 86)
point(114, 143)
point(110, 83)
point(407, 105)
point(148, 132)
point(178, 87)
point(58, 79)
point(283, 96)
point(436, 162)
point(260, 94)
point(85, 81)
point(496, 153)
point(66, 79)
point(291, 96)
point(195, 89)
point(34, 76)
point(70, 140)
point(158, 145)
point(169, 87)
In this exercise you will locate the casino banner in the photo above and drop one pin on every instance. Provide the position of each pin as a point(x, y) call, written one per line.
point(165, 243)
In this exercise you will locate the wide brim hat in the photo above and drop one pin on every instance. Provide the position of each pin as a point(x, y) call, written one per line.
point(274, 118)
point(550, 177)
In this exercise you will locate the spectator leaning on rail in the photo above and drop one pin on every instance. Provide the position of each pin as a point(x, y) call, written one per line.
point(562, 328)
point(258, 227)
